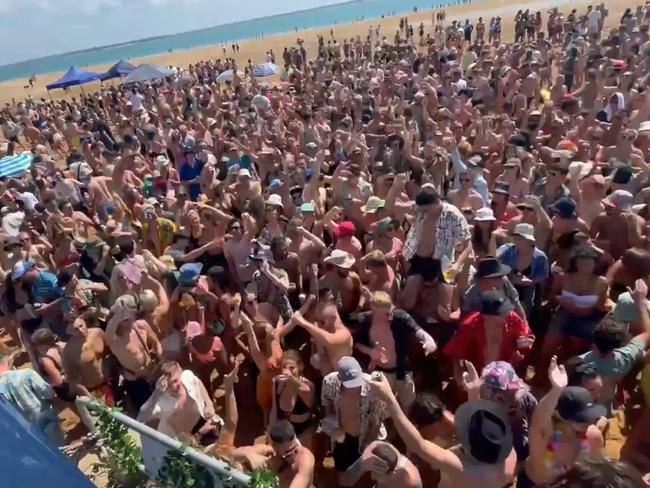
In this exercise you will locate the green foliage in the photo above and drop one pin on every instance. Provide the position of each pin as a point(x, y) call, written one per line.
point(264, 478)
point(124, 468)
point(123, 465)
point(177, 470)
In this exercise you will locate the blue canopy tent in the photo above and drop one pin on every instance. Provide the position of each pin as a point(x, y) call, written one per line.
point(118, 70)
point(73, 77)
point(27, 460)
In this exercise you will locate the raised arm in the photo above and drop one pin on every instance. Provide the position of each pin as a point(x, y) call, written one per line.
point(319, 335)
point(541, 423)
point(436, 456)
point(247, 325)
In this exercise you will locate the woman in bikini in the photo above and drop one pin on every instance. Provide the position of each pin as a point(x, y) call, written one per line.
point(294, 397)
point(582, 298)
point(264, 346)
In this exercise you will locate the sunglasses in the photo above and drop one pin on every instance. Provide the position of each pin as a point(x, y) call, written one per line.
point(465, 180)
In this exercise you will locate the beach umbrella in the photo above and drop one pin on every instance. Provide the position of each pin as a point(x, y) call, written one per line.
point(265, 69)
point(224, 76)
point(15, 165)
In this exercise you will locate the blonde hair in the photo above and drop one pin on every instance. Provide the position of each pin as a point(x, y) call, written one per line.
point(148, 301)
point(465, 149)
point(381, 299)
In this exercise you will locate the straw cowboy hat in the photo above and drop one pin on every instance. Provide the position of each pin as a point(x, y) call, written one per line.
point(340, 259)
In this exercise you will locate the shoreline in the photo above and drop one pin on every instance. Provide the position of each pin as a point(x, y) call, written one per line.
point(255, 48)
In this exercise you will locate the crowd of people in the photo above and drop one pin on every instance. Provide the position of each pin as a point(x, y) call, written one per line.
point(426, 261)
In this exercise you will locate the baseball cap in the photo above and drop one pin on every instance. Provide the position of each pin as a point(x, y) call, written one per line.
point(564, 207)
point(385, 224)
point(189, 273)
point(275, 200)
point(622, 175)
point(344, 229)
point(576, 405)
point(620, 199)
point(307, 207)
point(20, 268)
point(350, 373)
point(244, 172)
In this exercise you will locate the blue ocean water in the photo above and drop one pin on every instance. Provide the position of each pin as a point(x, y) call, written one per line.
point(340, 13)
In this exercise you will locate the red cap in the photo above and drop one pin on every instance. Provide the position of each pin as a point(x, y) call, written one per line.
point(344, 229)
point(567, 145)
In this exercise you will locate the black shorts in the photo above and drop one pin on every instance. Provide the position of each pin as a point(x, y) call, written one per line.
point(138, 391)
point(346, 453)
point(64, 393)
point(429, 268)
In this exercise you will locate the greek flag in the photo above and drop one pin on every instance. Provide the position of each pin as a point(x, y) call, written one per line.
point(15, 165)
point(265, 69)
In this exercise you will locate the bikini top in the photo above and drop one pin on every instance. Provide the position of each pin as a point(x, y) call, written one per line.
point(581, 301)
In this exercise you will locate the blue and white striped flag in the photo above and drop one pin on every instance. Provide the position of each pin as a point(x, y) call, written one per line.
point(265, 69)
point(15, 165)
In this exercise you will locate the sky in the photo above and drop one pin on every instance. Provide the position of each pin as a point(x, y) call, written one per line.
point(36, 28)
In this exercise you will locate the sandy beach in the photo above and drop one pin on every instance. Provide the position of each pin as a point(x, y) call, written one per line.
point(254, 49)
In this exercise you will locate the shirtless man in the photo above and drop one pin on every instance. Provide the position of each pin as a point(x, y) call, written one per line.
point(86, 361)
point(384, 335)
point(136, 347)
point(181, 405)
point(617, 229)
point(293, 463)
point(100, 195)
point(485, 461)
point(307, 246)
point(388, 468)
point(238, 248)
point(378, 275)
point(344, 282)
point(346, 240)
point(331, 338)
point(466, 196)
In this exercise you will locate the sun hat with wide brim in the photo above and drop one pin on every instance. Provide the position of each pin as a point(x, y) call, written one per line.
point(484, 431)
point(484, 214)
point(491, 267)
point(373, 205)
point(526, 231)
point(340, 259)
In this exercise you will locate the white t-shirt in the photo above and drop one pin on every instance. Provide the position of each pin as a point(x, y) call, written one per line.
point(136, 101)
point(593, 20)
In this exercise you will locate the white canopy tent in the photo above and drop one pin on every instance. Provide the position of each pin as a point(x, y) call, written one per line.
point(147, 72)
